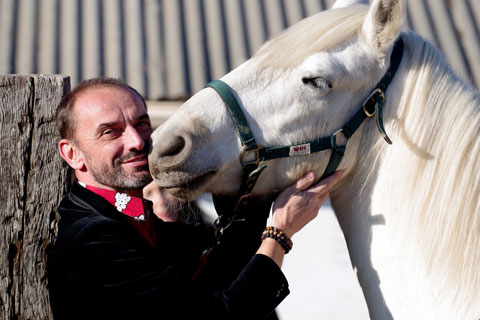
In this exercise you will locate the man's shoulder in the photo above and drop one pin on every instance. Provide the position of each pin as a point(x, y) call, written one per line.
point(80, 202)
point(82, 211)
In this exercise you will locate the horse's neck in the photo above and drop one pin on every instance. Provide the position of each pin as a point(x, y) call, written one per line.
point(410, 212)
point(396, 278)
point(352, 205)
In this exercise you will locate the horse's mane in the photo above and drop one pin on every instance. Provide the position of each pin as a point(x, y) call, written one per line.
point(320, 32)
point(434, 163)
point(434, 166)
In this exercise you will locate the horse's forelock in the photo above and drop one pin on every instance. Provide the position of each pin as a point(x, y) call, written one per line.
point(321, 32)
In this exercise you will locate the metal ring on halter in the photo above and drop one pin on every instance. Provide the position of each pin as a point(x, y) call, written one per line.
point(368, 113)
point(245, 151)
point(222, 222)
point(334, 139)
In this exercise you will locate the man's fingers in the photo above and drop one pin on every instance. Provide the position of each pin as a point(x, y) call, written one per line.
point(305, 181)
point(327, 183)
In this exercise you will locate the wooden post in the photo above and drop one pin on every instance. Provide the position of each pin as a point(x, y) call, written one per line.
point(33, 180)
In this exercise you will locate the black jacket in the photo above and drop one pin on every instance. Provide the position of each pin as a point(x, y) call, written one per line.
point(102, 268)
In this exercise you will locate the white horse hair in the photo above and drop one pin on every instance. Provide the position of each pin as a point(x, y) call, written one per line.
point(410, 211)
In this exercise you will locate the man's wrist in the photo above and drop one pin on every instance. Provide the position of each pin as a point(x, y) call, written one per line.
point(278, 235)
point(271, 248)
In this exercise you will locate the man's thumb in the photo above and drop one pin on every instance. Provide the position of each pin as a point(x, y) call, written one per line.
point(306, 181)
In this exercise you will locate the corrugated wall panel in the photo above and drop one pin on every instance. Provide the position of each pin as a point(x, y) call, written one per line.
point(469, 35)
point(420, 19)
point(175, 50)
point(237, 48)
point(255, 25)
point(215, 35)
point(113, 40)
point(91, 38)
point(7, 42)
point(168, 49)
point(70, 40)
point(446, 35)
point(135, 48)
point(195, 44)
point(313, 6)
point(155, 64)
point(26, 37)
point(329, 3)
point(47, 51)
point(275, 16)
point(475, 6)
point(294, 11)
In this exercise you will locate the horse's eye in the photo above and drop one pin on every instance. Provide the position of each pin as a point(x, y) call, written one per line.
point(318, 82)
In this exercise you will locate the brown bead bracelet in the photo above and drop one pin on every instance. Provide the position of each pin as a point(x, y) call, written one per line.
point(279, 236)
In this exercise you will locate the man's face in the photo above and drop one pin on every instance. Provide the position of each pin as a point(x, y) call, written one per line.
point(112, 134)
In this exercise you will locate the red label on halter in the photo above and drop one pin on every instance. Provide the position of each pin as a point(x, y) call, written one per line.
point(299, 150)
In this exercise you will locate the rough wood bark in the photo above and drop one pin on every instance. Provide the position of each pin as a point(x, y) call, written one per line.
point(33, 181)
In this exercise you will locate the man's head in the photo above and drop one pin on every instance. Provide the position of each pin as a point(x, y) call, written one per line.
point(105, 131)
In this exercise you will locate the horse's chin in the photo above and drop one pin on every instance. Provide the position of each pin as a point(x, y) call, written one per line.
point(184, 187)
point(184, 195)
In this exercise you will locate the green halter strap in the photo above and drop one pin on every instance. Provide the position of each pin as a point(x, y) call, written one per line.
point(373, 105)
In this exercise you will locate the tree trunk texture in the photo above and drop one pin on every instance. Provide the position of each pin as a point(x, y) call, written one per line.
point(33, 180)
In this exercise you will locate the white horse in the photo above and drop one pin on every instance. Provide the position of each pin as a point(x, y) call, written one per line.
point(410, 211)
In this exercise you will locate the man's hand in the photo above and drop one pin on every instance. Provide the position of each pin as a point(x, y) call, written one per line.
point(299, 204)
point(296, 206)
point(165, 206)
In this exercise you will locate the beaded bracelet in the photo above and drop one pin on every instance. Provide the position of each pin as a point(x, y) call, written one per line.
point(279, 236)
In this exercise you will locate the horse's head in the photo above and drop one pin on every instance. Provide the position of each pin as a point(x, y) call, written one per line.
point(304, 84)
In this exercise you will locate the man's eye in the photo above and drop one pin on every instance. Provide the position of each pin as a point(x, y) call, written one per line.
point(109, 132)
point(144, 125)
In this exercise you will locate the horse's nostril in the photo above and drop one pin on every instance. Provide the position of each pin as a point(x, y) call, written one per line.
point(174, 148)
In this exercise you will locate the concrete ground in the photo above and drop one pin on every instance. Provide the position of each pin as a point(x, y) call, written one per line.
point(322, 282)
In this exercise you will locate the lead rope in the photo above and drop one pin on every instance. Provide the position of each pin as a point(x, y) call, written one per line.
point(222, 223)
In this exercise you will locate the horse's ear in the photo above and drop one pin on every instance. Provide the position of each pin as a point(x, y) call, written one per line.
point(346, 3)
point(383, 24)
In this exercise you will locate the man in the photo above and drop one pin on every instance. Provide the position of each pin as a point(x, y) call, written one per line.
point(114, 259)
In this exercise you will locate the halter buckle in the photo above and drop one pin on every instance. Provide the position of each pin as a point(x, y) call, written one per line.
point(378, 91)
point(334, 139)
point(246, 150)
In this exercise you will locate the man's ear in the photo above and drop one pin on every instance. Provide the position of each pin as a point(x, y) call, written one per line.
point(70, 153)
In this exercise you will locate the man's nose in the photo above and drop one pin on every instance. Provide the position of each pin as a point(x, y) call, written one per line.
point(133, 140)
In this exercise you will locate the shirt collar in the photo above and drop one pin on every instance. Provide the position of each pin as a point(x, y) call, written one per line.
point(131, 206)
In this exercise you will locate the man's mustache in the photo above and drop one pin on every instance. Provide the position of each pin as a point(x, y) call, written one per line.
point(134, 153)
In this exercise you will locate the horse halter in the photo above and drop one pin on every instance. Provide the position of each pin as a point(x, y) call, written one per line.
point(373, 105)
